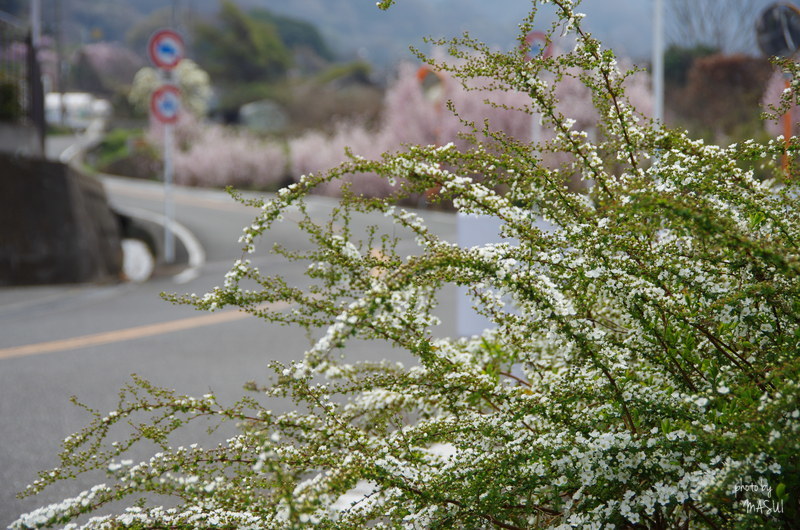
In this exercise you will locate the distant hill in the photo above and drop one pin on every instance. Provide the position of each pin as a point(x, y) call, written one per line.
point(351, 27)
point(357, 28)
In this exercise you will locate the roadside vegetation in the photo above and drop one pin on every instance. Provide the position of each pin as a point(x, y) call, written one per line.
point(642, 371)
point(278, 85)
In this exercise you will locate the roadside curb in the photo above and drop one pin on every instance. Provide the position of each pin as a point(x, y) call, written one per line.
point(195, 255)
point(192, 249)
point(91, 137)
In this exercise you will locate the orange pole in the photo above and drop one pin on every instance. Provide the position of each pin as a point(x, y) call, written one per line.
point(423, 72)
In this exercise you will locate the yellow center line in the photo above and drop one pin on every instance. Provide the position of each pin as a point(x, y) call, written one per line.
point(138, 332)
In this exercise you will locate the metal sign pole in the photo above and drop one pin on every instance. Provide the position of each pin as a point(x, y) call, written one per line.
point(165, 106)
point(166, 49)
point(169, 203)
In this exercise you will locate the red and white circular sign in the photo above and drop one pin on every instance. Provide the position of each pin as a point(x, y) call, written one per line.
point(432, 83)
point(166, 49)
point(537, 45)
point(165, 103)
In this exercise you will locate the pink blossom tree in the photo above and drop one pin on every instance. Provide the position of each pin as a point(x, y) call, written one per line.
point(409, 117)
point(316, 151)
point(772, 100)
point(220, 156)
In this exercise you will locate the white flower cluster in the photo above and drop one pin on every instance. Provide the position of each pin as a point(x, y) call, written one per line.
point(642, 360)
point(47, 515)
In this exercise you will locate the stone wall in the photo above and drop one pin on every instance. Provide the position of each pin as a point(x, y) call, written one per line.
point(55, 225)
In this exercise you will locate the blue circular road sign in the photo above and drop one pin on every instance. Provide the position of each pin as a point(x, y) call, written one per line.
point(165, 103)
point(166, 49)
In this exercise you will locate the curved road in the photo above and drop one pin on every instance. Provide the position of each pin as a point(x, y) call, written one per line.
point(87, 340)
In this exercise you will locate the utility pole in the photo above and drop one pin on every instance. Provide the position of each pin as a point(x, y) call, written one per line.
point(36, 23)
point(59, 29)
point(658, 61)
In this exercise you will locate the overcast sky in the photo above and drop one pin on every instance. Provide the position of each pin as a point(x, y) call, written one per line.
point(357, 27)
point(625, 25)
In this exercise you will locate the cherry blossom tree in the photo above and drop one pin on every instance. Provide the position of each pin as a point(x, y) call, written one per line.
point(219, 156)
point(410, 117)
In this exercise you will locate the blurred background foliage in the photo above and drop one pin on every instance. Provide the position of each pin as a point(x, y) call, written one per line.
point(281, 72)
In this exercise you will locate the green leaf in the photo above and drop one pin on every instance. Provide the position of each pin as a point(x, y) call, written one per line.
point(780, 491)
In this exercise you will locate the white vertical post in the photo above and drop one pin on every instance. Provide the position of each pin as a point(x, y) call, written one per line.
point(536, 127)
point(473, 230)
point(169, 203)
point(658, 61)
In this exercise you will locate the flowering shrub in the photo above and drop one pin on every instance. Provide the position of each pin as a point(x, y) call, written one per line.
point(220, 156)
point(194, 83)
point(647, 376)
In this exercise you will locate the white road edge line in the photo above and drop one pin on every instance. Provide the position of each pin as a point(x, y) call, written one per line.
point(69, 153)
point(197, 256)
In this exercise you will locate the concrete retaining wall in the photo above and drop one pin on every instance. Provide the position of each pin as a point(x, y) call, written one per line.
point(19, 139)
point(55, 225)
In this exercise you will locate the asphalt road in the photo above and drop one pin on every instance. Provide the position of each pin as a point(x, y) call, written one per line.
point(87, 340)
